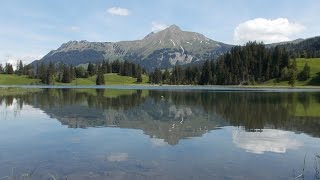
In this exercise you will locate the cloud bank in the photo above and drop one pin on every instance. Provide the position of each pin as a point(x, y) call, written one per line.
point(266, 30)
point(118, 11)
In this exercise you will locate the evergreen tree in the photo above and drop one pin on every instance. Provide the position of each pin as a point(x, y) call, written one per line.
point(8, 69)
point(285, 74)
point(91, 69)
point(80, 72)
point(139, 77)
point(19, 69)
point(157, 76)
point(206, 75)
point(72, 73)
point(50, 74)
point(66, 77)
point(166, 77)
point(42, 73)
point(1, 69)
point(100, 78)
point(305, 73)
point(293, 73)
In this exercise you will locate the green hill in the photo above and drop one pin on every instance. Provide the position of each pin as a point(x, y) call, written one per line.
point(314, 79)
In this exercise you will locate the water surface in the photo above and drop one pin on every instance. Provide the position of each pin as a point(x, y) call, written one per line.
point(159, 134)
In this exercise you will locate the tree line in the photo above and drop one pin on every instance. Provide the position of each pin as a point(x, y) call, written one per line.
point(20, 69)
point(51, 73)
point(309, 48)
point(243, 65)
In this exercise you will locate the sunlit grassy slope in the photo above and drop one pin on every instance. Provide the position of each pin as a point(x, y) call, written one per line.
point(314, 80)
point(12, 79)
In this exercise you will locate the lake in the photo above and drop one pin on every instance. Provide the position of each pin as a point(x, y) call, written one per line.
point(159, 134)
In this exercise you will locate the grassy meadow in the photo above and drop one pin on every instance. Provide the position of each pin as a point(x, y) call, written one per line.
point(314, 79)
point(110, 79)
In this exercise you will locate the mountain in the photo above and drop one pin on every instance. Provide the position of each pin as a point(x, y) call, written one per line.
point(308, 48)
point(296, 41)
point(305, 48)
point(163, 49)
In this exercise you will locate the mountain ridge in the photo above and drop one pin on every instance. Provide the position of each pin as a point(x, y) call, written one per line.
point(162, 49)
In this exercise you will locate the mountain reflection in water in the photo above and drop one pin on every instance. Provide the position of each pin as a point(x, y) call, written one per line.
point(216, 131)
point(172, 115)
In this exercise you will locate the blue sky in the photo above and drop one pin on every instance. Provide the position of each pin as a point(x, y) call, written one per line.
point(30, 29)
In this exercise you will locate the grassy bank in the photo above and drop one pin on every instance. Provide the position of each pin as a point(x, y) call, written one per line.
point(115, 79)
point(110, 79)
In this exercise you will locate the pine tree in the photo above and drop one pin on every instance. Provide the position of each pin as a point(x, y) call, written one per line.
point(157, 76)
point(305, 73)
point(100, 78)
point(206, 75)
point(42, 73)
point(66, 78)
point(166, 77)
point(8, 68)
point(19, 69)
point(1, 69)
point(91, 69)
point(293, 73)
point(139, 77)
point(50, 73)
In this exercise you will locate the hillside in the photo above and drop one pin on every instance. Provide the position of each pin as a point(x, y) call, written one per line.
point(314, 79)
point(303, 48)
point(163, 49)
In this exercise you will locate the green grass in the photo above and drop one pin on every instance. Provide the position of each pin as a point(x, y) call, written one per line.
point(12, 79)
point(314, 80)
point(110, 79)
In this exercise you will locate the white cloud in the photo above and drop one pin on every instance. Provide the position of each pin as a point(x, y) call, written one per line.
point(266, 30)
point(12, 59)
point(157, 26)
point(73, 29)
point(117, 157)
point(269, 140)
point(118, 11)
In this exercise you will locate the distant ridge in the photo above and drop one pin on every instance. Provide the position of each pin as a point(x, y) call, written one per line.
point(162, 49)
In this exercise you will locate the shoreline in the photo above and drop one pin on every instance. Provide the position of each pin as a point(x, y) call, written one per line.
point(176, 87)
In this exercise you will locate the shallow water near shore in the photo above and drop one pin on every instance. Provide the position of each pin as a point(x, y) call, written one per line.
point(137, 133)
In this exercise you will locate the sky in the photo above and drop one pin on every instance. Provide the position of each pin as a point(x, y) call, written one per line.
point(31, 29)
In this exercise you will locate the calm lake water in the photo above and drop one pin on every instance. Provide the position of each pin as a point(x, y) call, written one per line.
point(159, 134)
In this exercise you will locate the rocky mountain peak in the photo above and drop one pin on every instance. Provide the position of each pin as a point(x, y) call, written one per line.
point(173, 28)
